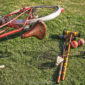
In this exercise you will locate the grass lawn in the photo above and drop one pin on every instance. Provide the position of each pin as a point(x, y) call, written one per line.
point(31, 61)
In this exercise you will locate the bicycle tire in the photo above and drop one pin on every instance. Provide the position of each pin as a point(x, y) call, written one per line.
point(44, 18)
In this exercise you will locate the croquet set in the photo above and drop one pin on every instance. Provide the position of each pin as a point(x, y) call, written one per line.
point(70, 42)
point(33, 25)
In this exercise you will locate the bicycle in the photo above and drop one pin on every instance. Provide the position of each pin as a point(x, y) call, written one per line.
point(11, 21)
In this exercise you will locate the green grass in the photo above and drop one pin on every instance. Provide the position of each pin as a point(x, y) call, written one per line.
point(31, 61)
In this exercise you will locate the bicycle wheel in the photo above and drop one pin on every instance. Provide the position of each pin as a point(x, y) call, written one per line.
point(43, 12)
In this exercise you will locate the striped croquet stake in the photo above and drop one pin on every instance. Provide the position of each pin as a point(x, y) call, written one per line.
point(61, 65)
point(66, 59)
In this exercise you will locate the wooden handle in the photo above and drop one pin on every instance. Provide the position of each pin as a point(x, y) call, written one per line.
point(66, 59)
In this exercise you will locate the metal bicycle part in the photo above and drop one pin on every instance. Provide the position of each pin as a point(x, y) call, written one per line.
point(51, 16)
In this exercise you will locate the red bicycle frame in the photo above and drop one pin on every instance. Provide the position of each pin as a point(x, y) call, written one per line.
point(9, 23)
point(21, 24)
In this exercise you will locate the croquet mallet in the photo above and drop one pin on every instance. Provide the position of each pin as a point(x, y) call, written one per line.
point(71, 34)
point(61, 64)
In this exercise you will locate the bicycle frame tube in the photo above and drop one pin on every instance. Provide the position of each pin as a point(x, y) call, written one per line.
point(14, 18)
point(11, 32)
point(17, 30)
point(24, 9)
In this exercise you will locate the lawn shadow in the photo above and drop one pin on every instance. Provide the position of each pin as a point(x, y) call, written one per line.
point(61, 42)
point(53, 37)
point(44, 59)
point(11, 36)
point(5, 54)
point(46, 65)
point(78, 56)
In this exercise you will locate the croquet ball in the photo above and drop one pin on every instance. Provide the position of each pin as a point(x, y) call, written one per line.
point(80, 42)
point(74, 44)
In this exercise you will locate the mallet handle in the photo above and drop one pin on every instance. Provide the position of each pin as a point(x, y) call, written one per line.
point(66, 59)
point(61, 64)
